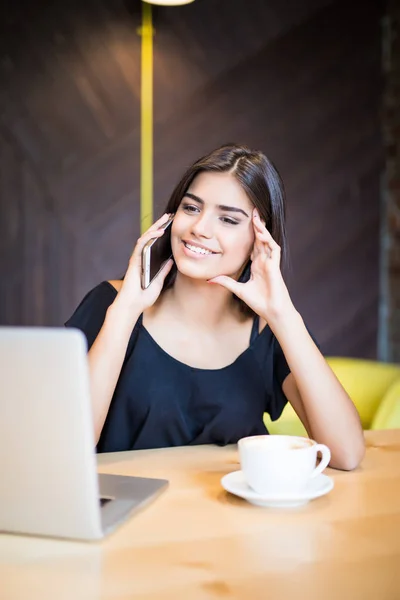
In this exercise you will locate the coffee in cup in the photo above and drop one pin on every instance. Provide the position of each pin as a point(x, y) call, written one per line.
point(281, 464)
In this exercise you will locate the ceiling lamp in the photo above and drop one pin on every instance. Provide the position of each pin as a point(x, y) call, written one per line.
point(169, 2)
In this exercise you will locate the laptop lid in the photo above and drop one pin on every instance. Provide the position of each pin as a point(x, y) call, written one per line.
point(48, 473)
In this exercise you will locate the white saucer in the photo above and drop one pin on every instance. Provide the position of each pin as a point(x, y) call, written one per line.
point(235, 484)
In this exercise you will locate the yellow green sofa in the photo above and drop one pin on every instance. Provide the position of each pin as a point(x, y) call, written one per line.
point(373, 386)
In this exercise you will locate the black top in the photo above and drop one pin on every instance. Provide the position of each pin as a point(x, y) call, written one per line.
point(160, 401)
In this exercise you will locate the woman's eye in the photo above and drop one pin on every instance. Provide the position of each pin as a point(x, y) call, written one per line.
point(190, 208)
point(229, 221)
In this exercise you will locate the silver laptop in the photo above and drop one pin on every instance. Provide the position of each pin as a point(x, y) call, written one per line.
point(48, 472)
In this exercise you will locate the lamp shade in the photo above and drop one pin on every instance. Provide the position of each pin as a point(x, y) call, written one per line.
point(169, 2)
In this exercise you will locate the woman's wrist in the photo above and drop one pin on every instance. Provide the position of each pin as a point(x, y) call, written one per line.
point(284, 321)
point(121, 314)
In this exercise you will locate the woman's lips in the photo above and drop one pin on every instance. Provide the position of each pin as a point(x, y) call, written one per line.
point(196, 251)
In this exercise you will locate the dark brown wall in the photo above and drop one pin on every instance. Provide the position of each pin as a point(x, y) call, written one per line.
point(300, 80)
point(390, 305)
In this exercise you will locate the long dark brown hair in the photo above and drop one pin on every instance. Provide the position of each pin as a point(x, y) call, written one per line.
point(259, 179)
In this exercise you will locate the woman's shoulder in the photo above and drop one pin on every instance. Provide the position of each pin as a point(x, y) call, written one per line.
point(116, 283)
point(90, 313)
point(96, 300)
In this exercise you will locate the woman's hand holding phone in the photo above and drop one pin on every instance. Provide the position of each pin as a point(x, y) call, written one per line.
point(131, 294)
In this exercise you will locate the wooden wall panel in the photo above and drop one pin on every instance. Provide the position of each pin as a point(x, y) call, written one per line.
point(300, 80)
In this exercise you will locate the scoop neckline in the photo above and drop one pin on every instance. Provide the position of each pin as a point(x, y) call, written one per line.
point(179, 362)
point(198, 369)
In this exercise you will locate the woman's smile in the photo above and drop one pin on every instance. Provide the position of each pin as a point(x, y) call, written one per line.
point(195, 250)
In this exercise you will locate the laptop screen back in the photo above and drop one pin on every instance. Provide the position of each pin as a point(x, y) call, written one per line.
point(48, 482)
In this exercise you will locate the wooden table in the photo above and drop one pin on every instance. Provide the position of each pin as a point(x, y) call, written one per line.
point(197, 542)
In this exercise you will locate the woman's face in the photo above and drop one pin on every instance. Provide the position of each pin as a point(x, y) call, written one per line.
point(212, 232)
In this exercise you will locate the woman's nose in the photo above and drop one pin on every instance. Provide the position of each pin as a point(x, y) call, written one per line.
point(202, 226)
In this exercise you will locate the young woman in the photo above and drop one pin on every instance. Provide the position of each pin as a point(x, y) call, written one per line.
point(215, 340)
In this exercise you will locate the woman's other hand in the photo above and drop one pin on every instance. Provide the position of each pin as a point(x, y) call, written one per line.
point(265, 292)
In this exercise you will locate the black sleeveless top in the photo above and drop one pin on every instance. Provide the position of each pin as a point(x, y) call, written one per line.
point(160, 401)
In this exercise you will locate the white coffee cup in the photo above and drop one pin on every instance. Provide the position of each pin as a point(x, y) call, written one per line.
point(280, 463)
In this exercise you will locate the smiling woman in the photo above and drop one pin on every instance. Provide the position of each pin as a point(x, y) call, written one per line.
point(215, 341)
point(229, 183)
point(206, 239)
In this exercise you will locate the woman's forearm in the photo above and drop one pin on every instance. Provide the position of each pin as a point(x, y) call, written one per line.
point(331, 416)
point(106, 357)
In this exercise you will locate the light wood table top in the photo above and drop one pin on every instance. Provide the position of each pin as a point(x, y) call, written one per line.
point(197, 542)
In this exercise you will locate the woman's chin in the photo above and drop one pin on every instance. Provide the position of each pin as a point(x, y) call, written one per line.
point(188, 274)
point(203, 269)
point(197, 274)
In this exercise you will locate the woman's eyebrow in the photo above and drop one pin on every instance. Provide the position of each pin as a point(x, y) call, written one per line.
point(220, 206)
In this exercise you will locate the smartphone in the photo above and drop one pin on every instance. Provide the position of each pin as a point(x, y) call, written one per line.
point(155, 254)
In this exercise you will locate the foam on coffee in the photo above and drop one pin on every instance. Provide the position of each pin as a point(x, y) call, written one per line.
point(300, 445)
point(281, 441)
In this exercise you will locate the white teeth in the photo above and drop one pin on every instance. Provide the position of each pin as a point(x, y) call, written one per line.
point(197, 249)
